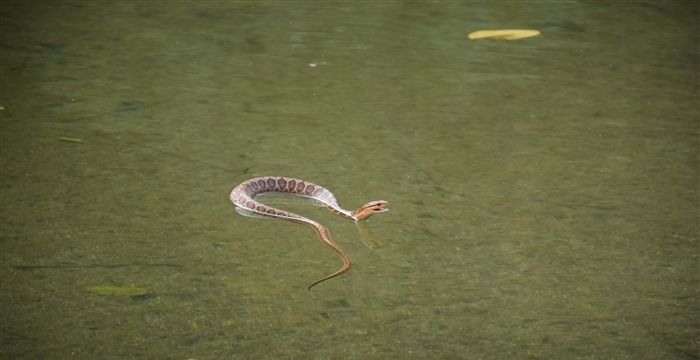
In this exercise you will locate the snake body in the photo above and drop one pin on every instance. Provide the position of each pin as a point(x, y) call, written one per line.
point(243, 197)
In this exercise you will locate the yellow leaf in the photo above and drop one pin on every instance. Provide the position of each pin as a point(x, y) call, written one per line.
point(508, 34)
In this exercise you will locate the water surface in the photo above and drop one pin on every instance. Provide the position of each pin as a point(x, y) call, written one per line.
point(543, 192)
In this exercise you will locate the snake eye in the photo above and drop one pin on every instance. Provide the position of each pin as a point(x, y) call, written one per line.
point(380, 207)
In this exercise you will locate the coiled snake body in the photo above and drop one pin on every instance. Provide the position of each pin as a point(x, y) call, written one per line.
point(243, 197)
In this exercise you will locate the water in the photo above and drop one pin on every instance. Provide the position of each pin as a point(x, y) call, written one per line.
point(543, 192)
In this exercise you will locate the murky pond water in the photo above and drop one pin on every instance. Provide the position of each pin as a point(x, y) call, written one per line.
point(543, 192)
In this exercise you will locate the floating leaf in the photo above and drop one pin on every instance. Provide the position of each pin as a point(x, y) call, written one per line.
point(507, 34)
point(112, 290)
point(70, 139)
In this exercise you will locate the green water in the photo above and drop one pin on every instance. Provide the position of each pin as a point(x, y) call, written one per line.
point(544, 193)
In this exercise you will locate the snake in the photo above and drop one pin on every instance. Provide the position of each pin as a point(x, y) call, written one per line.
point(243, 198)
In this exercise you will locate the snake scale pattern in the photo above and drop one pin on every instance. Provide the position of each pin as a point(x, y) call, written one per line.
point(243, 197)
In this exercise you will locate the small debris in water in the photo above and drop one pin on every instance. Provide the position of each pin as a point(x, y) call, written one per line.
point(506, 34)
point(70, 139)
point(112, 290)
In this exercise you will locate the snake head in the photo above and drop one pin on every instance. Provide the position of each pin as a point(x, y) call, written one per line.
point(370, 208)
